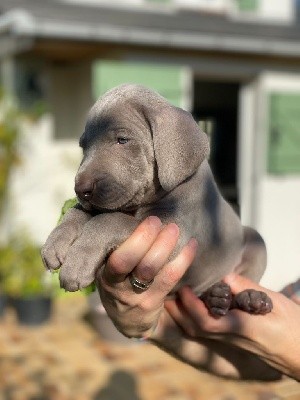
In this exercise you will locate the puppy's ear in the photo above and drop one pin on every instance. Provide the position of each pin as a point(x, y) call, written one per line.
point(179, 145)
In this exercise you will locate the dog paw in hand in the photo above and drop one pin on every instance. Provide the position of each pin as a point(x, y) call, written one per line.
point(218, 299)
point(253, 302)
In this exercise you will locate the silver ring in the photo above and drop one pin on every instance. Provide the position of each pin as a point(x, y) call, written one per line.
point(140, 285)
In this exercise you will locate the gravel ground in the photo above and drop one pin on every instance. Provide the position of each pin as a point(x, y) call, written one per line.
point(66, 359)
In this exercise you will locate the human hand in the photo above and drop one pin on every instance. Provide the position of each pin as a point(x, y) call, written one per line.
point(145, 254)
point(274, 337)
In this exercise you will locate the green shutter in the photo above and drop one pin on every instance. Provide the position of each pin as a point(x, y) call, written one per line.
point(247, 5)
point(164, 79)
point(284, 133)
point(158, 1)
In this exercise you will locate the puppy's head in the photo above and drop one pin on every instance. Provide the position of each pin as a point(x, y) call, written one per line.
point(135, 147)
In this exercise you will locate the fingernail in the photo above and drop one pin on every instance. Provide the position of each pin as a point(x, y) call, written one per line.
point(173, 229)
point(154, 221)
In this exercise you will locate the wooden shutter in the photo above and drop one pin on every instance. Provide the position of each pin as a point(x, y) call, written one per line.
point(247, 5)
point(166, 80)
point(284, 133)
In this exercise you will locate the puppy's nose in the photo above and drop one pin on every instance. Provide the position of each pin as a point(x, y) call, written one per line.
point(84, 190)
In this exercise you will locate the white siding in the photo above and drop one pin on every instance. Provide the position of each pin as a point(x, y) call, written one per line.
point(42, 182)
point(271, 203)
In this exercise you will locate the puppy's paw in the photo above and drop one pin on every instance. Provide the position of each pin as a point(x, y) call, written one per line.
point(253, 302)
point(218, 299)
point(80, 266)
point(55, 249)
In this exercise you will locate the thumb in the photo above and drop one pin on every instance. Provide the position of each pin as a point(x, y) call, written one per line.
point(238, 283)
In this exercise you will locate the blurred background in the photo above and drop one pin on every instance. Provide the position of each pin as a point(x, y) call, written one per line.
point(234, 64)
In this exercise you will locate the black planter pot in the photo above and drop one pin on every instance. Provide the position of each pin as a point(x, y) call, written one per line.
point(33, 310)
point(3, 304)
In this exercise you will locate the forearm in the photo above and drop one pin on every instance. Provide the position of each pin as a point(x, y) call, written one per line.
point(210, 355)
point(274, 338)
point(287, 361)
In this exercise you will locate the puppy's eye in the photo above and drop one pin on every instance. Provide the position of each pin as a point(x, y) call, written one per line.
point(122, 140)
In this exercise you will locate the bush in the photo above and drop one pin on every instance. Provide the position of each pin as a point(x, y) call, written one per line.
point(9, 134)
point(22, 273)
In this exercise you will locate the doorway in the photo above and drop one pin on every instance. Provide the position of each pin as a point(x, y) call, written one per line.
point(216, 108)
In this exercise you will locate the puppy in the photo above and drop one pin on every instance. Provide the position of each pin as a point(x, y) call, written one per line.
point(142, 156)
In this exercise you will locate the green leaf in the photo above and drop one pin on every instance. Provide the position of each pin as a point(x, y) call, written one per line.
point(67, 205)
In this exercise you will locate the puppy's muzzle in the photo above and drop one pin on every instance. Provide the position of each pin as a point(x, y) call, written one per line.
point(100, 193)
point(84, 191)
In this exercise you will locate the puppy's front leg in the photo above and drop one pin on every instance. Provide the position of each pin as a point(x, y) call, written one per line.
point(55, 249)
point(100, 236)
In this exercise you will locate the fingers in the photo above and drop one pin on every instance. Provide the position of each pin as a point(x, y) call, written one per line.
point(124, 259)
point(146, 253)
point(191, 314)
point(238, 283)
point(196, 311)
point(172, 272)
point(181, 318)
point(194, 318)
point(158, 254)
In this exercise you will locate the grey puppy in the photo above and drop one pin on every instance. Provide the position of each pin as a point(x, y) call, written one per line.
point(142, 156)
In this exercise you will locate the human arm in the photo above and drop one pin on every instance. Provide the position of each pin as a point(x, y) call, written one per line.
point(143, 315)
point(274, 337)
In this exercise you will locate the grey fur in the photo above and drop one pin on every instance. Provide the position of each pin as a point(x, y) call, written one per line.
point(162, 170)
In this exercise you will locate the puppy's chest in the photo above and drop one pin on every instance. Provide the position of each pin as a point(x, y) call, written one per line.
point(166, 212)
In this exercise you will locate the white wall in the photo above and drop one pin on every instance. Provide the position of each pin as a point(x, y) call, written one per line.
point(279, 223)
point(49, 154)
point(204, 5)
point(274, 11)
point(70, 96)
point(280, 11)
point(277, 9)
point(270, 203)
point(41, 182)
point(278, 209)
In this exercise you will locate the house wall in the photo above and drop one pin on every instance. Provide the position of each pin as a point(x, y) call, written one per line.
point(42, 181)
point(279, 205)
point(263, 10)
point(252, 10)
point(49, 153)
point(270, 201)
point(70, 97)
point(279, 221)
point(50, 157)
